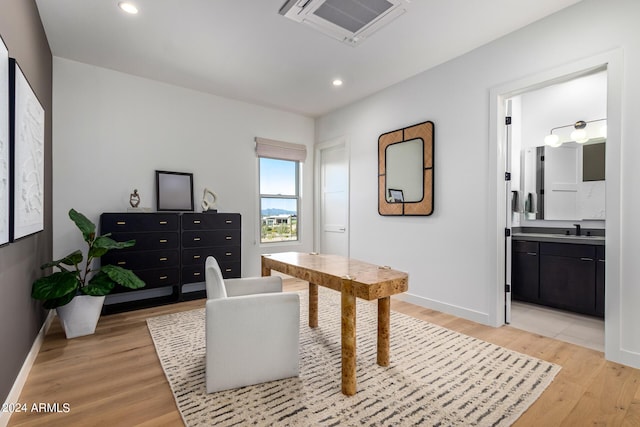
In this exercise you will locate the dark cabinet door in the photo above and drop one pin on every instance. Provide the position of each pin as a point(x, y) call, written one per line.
point(524, 271)
point(568, 276)
point(600, 281)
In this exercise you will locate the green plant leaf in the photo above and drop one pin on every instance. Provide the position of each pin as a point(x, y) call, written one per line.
point(87, 227)
point(123, 276)
point(72, 259)
point(57, 302)
point(100, 284)
point(103, 244)
point(55, 285)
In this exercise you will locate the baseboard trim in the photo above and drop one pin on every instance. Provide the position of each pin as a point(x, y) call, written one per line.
point(21, 379)
point(455, 310)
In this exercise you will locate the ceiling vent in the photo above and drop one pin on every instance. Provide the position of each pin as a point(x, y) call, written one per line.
point(349, 21)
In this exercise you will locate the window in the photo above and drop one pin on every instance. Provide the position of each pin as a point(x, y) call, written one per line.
point(279, 199)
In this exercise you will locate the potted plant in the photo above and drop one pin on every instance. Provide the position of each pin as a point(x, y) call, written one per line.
point(77, 291)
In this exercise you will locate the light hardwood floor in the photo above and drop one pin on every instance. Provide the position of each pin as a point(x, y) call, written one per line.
point(114, 377)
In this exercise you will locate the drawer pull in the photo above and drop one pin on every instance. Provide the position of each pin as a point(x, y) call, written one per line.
point(163, 258)
point(586, 259)
point(601, 260)
point(228, 237)
point(227, 270)
point(196, 257)
point(121, 223)
point(228, 254)
point(122, 263)
point(196, 274)
point(163, 277)
point(196, 221)
point(163, 222)
point(532, 253)
point(229, 221)
point(196, 239)
point(163, 240)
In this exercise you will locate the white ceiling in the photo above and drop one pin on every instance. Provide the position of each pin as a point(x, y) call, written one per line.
point(245, 50)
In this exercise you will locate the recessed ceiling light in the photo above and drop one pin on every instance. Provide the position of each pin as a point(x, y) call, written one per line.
point(128, 7)
point(337, 82)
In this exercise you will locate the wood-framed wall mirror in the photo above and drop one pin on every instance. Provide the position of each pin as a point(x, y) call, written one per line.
point(405, 171)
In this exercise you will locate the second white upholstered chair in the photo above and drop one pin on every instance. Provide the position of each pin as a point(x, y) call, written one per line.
point(252, 330)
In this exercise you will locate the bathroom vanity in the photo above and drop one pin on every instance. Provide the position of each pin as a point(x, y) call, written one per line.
point(559, 270)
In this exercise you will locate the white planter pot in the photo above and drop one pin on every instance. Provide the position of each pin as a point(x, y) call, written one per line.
point(80, 316)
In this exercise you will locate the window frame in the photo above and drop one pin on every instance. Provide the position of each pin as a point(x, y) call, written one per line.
point(295, 197)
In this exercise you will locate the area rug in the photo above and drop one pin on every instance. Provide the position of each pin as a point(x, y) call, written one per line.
point(436, 377)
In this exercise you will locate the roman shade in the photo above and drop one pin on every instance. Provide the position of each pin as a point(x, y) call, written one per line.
point(280, 150)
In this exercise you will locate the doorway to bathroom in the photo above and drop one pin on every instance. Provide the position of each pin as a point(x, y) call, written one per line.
point(556, 203)
point(518, 200)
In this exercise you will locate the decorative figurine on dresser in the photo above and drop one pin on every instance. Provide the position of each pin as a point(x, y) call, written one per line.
point(170, 252)
point(209, 201)
point(134, 198)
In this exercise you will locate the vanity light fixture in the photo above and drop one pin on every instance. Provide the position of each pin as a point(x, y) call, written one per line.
point(552, 140)
point(128, 7)
point(337, 82)
point(581, 133)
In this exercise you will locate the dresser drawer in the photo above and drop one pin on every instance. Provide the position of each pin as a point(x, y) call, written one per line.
point(149, 241)
point(142, 260)
point(114, 222)
point(199, 239)
point(195, 273)
point(221, 254)
point(222, 221)
point(154, 278)
point(159, 277)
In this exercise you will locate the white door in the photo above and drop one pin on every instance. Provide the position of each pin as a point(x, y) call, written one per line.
point(333, 189)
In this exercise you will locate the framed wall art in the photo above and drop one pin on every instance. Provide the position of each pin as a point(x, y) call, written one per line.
point(4, 143)
point(26, 133)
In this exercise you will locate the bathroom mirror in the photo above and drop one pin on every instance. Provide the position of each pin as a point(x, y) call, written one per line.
point(405, 171)
point(566, 182)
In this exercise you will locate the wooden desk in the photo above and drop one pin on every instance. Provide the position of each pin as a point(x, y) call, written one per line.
point(352, 279)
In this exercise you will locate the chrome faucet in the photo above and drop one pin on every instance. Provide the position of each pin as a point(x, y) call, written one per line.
point(577, 229)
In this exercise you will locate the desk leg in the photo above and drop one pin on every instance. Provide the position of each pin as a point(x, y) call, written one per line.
point(384, 315)
point(265, 271)
point(313, 305)
point(348, 305)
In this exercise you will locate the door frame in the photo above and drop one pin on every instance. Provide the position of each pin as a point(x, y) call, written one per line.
point(508, 141)
point(612, 62)
point(317, 228)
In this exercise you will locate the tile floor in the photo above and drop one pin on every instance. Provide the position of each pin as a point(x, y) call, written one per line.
point(574, 328)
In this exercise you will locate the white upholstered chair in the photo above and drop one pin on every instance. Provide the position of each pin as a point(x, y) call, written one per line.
point(252, 330)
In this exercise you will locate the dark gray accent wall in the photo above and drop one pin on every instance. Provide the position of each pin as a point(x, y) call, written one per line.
point(20, 317)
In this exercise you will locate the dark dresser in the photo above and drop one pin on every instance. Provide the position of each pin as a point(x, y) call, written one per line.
point(169, 254)
point(204, 235)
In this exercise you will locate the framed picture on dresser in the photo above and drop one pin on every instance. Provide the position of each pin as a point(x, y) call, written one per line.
point(4, 143)
point(26, 136)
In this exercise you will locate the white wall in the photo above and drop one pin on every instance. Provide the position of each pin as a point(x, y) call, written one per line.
point(111, 131)
point(450, 256)
point(584, 98)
